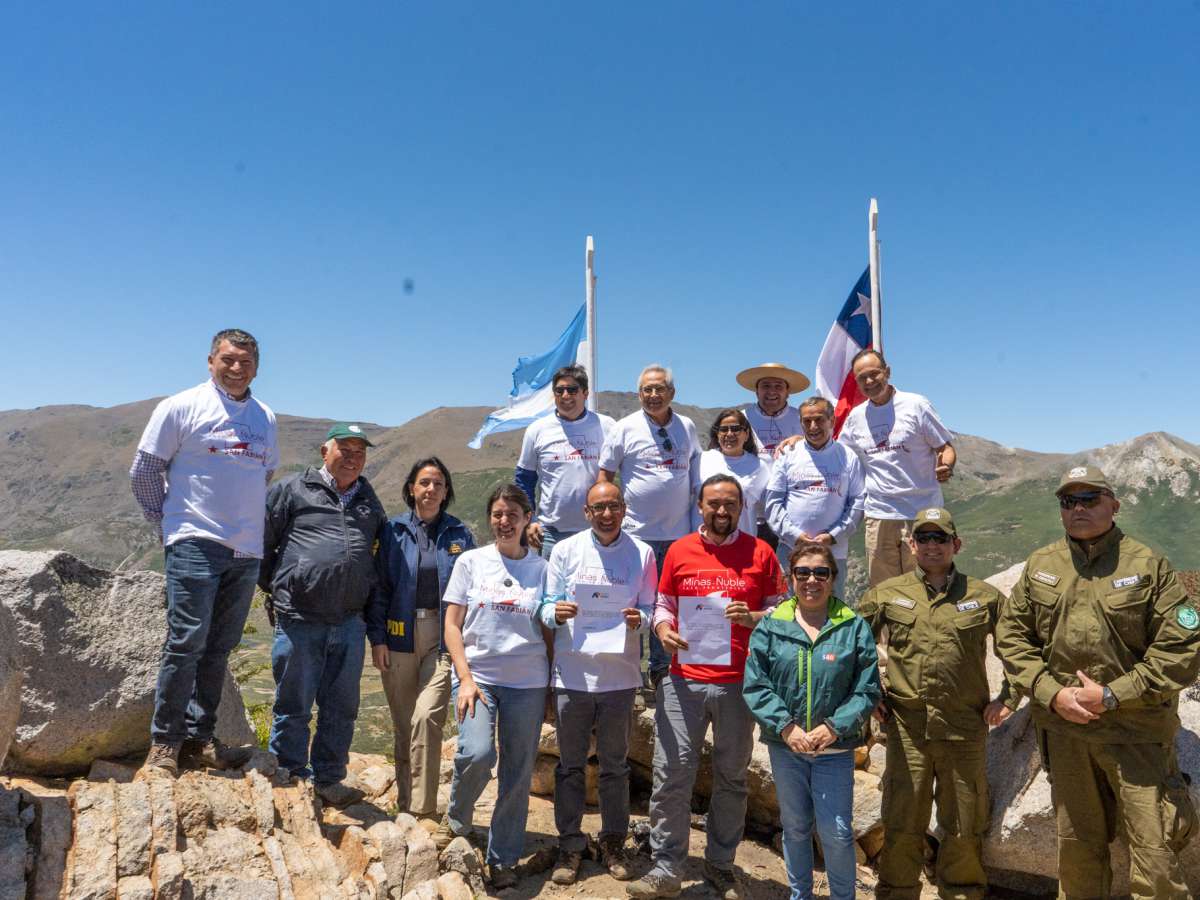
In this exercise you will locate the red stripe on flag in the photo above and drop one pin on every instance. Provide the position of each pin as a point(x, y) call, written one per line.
point(848, 398)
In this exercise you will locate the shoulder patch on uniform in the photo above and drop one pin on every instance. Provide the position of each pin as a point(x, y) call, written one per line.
point(903, 601)
point(1188, 617)
point(1127, 581)
point(456, 547)
point(1046, 577)
point(964, 605)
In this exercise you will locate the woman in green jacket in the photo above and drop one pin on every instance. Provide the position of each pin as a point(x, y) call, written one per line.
point(812, 680)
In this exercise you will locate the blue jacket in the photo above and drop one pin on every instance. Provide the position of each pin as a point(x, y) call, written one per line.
point(792, 678)
point(393, 608)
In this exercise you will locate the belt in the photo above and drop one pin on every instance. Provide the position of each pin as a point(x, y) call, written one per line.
point(427, 613)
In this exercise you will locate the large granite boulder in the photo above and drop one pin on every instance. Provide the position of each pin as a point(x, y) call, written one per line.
point(10, 680)
point(89, 642)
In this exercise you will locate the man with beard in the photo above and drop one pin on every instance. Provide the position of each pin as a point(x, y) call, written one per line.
point(721, 569)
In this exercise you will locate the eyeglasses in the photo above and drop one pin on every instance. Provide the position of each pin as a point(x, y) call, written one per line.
point(666, 441)
point(562, 389)
point(651, 390)
point(932, 537)
point(730, 429)
point(820, 573)
point(1086, 499)
point(600, 509)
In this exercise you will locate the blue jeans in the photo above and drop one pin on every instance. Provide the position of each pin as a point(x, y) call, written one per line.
point(550, 537)
point(816, 790)
point(512, 717)
point(839, 583)
point(208, 598)
point(660, 659)
point(317, 663)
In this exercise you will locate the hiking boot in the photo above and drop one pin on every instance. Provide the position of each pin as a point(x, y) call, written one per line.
point(442, 835)
point(212, 754)
point(566, 867)
point(613, 858)
point(654, 884)
point(338, 793)
point(165, 757)
point(503, 877)
point(726, 882)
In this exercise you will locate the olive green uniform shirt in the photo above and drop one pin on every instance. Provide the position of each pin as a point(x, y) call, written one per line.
point(1115, 611)
point(936, 678)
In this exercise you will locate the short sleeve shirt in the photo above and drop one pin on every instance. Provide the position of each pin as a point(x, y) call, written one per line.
point(566, 456)
point(770, 430)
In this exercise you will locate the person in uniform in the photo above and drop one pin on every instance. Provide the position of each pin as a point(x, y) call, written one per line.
point(936, 710)
point(1100, 633)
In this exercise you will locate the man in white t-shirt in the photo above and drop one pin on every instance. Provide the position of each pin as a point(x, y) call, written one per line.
point(561, 454)
point(816, 491)
point(601, 586)
point(657, 455)
point(906, 453)
point(770, 417)
point(201, 474)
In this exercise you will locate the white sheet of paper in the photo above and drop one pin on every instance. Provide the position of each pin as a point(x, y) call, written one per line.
point(599, 626)
point(703, 625)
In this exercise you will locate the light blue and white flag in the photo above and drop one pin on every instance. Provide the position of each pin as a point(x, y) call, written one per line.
point(531, 397)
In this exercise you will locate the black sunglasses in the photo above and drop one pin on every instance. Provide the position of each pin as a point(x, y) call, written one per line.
point(932, 537)
point(821, 573)
point(729, 429)
point(571, 389)
point(1086, 499)
point(667, 445)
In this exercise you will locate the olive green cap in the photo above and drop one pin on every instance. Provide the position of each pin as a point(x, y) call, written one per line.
point(1084, 476)
point(939, 518)
point(345, 430)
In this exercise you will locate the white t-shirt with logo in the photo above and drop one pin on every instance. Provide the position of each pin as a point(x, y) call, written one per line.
point(896, 443)
point(814, 492)
point(751, 473)
point(627, 565)
point(501, 633)
point(770, 430)
point(566, 456)
point(218, 453)
point(659, 481)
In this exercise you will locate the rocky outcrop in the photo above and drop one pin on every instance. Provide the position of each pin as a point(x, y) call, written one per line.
point(89, 643)
point(11, 677)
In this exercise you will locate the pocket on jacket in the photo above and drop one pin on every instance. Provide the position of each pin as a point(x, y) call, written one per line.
point(1179, 813)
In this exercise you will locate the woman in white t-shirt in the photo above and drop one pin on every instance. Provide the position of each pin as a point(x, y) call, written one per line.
point(498, 649)
point(733, 451)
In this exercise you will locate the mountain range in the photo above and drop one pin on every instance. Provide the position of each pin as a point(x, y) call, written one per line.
point(64, 482)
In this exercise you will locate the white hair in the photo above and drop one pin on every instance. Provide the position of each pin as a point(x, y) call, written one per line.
point(655, 367)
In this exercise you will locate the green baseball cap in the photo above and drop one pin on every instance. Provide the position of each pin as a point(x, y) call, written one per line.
point(1084, 476)
point(344, 430)
point(939, 518)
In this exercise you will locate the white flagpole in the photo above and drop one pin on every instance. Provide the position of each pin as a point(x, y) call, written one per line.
point(873, 257)
point(590, 288)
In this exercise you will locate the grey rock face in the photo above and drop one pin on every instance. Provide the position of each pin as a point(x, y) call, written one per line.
point(89, 641)
point(10, 680)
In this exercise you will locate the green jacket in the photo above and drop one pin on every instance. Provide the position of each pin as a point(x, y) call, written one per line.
point(935, 677)
point(1116, 612)
point(791, 678)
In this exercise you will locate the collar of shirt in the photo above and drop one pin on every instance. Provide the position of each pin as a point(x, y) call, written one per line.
point(344, 497)
point(951, 577)
point(762, 412)
point(1091, 551)
point(430, 528)
point(600, 546)
point(228, 396)
point(729, 539)
point(654, 426)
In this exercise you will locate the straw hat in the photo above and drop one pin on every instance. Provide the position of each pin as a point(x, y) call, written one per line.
point(749, 378)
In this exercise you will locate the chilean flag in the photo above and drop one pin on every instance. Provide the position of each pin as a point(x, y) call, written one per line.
point(851, 332)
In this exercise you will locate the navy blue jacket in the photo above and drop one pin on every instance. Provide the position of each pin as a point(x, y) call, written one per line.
point(392, 612)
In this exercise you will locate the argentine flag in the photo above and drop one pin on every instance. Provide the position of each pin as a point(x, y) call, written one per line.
point(531, 397)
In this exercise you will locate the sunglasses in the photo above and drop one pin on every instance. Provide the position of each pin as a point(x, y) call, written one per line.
point(1086, 499)
point(820, 573)
point(571, 389)
point(666, 441)
point(730, 429)
point(932, 537)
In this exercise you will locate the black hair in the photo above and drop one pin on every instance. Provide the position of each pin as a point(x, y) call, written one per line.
point(412, 479)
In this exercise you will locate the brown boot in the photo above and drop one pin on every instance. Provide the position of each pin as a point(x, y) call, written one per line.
point(613, 858)
point(165, 757)
point(566, 867)
point(212, 754)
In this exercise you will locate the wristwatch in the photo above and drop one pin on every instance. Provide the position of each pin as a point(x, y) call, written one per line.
point(1109, 699)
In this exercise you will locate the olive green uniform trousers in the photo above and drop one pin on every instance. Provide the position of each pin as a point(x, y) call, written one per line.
point(917, 772)
point(1101, 790)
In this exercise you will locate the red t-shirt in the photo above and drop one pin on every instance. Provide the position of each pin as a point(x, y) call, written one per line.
point(745, 570)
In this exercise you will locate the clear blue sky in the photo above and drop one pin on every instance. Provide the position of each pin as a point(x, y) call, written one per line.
point(170, 169)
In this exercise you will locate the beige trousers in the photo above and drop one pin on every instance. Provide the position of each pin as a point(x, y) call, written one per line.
point(417, 686)
point(888, 553)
